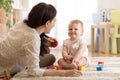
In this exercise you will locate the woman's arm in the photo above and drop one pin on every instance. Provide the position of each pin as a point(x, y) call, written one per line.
point(66, 73)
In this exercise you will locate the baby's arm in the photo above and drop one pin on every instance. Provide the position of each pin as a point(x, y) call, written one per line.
point(65, 54)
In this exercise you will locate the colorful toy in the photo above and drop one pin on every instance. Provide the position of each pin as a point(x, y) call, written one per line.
point(51, 42)
point(99, 68)
point(101, 65)
point(58, 67)
point(54, 67)
point(50, 67)
point(81, 68)
point(100, 62)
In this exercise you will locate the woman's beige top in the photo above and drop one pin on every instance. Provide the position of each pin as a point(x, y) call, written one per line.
point(19, 50)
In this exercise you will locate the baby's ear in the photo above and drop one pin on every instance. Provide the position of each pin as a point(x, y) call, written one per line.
point(82, 32)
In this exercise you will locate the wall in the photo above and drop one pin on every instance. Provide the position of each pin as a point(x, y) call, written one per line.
point(68, 10)
point(108, 4)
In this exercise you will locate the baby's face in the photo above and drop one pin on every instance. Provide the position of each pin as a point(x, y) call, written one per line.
point(75, 31)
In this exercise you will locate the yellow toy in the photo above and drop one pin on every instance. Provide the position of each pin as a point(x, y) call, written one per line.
point(81, 68)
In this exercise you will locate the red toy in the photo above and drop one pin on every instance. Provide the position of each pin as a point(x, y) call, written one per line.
point(51, 42)
point(100, 62)
point(50, 67)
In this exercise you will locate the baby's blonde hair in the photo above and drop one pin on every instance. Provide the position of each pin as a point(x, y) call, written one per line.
point(3, 17)
point(76, 22)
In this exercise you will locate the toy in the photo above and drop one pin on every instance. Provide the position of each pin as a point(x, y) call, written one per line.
point(101, 64)
point(50, 42)
point(50, 67)
point(99, 68)
point(54, 67)
point(58, 67)
point(82, 68)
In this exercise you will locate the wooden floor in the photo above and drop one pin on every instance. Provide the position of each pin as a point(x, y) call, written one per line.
point(102, 54)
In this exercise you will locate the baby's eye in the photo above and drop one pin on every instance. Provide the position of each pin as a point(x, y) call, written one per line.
point(70, 29)
point(76, 29)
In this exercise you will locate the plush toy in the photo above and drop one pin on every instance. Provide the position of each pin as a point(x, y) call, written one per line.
point(51, 42)
point(3, 22)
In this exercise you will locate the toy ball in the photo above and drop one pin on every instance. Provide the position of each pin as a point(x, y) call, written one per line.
point(52, 44)
point(55, 43)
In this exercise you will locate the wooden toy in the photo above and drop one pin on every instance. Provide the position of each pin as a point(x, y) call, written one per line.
point(58, 67)
point(82, 68)
point(100, 62)
point(99, 68)
point(101, 65)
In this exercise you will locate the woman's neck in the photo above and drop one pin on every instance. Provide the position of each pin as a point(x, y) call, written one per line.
point(40, 30)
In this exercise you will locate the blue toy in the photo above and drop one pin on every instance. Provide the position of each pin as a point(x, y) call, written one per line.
point(99, 68)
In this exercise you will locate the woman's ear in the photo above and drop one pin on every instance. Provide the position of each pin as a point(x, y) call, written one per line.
point(47, 23)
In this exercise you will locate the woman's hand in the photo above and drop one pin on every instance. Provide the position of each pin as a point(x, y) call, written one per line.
point(73, 73)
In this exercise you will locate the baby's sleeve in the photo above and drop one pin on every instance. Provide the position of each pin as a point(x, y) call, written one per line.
point(64, 42)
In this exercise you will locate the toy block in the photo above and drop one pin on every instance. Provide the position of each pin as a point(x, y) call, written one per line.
point(101, 65)
point(58, 67)
point(82, 68)
point(100, 62)
point(99, 68)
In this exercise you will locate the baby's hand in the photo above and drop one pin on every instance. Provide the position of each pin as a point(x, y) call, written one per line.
point(83, 61)
point(75, 61)
point(70, 57)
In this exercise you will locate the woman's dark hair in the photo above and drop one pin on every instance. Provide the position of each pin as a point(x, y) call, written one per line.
point(44, 49)
point(40, 14)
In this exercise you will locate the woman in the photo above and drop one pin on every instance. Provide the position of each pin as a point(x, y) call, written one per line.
point(19, 51)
